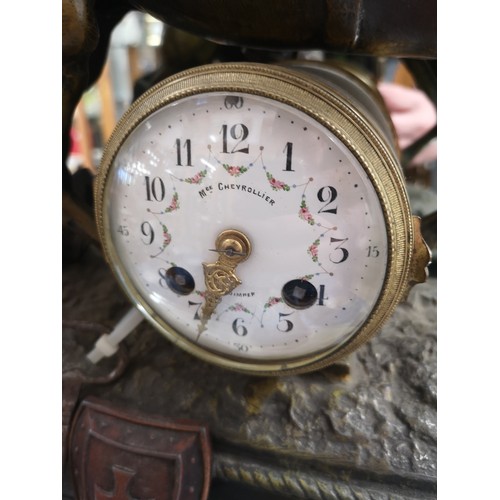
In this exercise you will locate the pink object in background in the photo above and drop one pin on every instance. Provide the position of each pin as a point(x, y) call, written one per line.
point(413, 115)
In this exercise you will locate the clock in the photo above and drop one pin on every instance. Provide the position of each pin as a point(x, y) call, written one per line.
point(257, 214)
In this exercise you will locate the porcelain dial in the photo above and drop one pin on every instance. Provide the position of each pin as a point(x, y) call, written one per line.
point(245, 229)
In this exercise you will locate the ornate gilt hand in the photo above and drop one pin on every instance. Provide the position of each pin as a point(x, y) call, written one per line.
point(220, 278)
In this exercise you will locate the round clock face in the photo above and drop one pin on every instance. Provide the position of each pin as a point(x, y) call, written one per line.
point(219, 161)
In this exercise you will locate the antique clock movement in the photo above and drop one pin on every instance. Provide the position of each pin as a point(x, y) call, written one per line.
point(257, 215)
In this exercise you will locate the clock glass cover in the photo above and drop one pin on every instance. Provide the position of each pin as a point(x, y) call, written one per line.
point(215, 162)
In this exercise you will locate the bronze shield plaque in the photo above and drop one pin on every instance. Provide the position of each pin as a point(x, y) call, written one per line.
point(127, 456)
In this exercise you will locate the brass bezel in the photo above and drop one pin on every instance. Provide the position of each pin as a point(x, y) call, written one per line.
point(336, 114)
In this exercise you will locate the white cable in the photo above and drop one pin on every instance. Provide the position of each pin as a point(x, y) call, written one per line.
point(107, 344)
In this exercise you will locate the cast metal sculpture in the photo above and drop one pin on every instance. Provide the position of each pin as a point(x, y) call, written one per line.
point(364, 429)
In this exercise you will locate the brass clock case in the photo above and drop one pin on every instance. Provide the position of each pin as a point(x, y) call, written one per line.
point(373, 150)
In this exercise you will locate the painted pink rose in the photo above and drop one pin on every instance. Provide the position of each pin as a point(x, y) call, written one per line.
point(313, 251)
point(167, 238)
point(272, 301)
point(277, 184)
point(305, 214)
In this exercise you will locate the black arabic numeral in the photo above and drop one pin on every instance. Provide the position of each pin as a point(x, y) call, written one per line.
point(232, 101)
point(187, 147)
point(373, 251)
point(239, 329)
point(327, 194)
point(148, 232)
point(344, 252)
point(155, 189)
point(123, 230)
point(322, 298)
point(238, 132)
point(197, 312)
point(285, 323)
point(163, 281)
point(289, 150)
